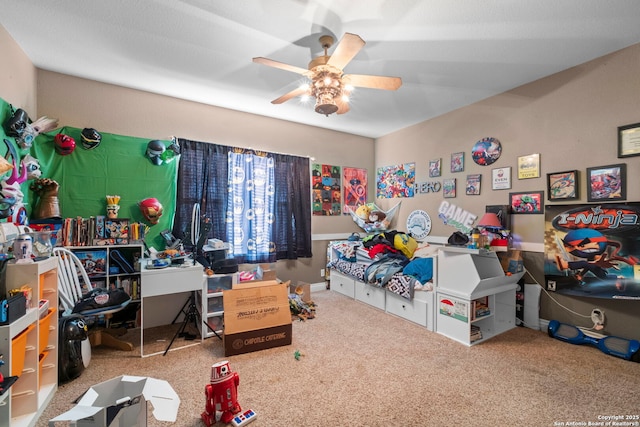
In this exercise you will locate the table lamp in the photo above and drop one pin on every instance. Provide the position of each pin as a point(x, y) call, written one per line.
point(490, 223)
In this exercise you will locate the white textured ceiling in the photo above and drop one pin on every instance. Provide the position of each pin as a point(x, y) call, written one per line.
point(449, 53)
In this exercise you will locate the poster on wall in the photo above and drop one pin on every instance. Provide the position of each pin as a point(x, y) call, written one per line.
point(354, 182)
point(396, 181)
point(327, 194)
point(593, 250)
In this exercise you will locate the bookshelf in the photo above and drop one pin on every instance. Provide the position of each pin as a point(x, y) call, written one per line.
point(30, 346)
point(113, 266)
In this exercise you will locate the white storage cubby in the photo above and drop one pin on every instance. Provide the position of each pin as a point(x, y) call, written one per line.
point(210, 301)
point(37, 363)
point(467, 277)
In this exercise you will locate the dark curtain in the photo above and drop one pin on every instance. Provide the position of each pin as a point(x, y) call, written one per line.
point(203, 178)
point(292, 231)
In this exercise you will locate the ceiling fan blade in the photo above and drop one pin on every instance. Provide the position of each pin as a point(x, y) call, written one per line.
point(343, 107)
point(287, 96)
point(373, 82)
point(348, 47)
point(271, 63)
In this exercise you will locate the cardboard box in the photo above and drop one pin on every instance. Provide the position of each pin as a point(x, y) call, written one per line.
point(256, 317)
point(122, 402)
point(303, 289)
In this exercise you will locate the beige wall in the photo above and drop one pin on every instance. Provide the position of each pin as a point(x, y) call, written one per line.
point(17, 75)
point(571, 119)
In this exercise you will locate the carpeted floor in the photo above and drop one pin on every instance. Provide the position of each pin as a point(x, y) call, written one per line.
point(363, 367)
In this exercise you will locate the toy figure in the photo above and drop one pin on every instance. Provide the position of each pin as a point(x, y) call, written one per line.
point(112, 206)
point(221, 394)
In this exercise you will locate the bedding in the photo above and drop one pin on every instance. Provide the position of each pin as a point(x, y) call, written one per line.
point(379, 263)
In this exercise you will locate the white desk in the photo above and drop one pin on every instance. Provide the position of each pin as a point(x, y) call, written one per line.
point(167, 281)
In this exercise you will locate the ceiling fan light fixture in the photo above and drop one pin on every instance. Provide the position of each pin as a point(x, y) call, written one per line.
point(325, 104)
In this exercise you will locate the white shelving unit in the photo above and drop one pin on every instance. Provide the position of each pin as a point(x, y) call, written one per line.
point(466, 276)
point(105, 274)
point(210, 301)
point(25, 401)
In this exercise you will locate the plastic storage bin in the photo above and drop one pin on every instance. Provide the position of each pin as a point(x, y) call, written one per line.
point(43, 331)
point(18, 351)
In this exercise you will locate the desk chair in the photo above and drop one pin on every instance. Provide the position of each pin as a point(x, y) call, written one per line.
point(72, 278)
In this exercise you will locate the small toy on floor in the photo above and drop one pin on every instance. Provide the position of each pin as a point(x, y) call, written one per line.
point(221, 394)
point(297, 354)
point(243, 419)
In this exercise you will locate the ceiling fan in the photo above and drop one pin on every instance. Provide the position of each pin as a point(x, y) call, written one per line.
point(328, 83)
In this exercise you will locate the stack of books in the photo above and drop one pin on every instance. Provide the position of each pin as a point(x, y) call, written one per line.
point(479, 308)
point(476, 333)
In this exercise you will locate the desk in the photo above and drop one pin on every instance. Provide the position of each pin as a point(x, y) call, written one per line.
point(167, 281)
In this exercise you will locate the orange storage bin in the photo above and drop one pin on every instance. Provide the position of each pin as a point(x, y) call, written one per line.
point(18, 351)
point(43, 331)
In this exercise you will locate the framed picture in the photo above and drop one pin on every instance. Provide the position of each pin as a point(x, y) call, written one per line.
point(94, 261)
point(501, 178)
point(117, 229)
point(562, 185)
point(457, 162)
point(529, 166)
point(629, 140)
point(531, 202)
point(449, 188)
point(607, 183)
point(435, 168)
point(473, 185)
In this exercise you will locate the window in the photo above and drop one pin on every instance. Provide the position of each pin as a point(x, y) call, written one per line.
point(277, 212)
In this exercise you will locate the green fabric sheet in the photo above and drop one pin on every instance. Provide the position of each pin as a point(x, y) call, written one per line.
point(118, 166)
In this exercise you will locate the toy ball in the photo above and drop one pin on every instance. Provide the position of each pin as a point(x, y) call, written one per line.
point(91, 138)
point(64, 144)
point(155, 150)
point(151, 209)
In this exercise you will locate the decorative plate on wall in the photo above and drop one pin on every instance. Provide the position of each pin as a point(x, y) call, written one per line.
point(419, 224)
point(486, 151)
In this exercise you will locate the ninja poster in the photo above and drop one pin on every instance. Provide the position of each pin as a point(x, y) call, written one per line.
point(593, 250)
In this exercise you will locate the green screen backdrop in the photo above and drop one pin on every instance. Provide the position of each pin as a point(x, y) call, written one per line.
point(118, 166)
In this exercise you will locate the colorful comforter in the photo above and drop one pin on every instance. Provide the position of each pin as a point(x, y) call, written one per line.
point(386, 270)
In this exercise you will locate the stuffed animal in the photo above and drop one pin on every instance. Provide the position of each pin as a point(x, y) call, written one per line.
point(363, 212)
point(376, 216)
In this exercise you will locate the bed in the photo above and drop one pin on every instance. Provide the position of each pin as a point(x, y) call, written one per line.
point(406, 292)
point(382, 264)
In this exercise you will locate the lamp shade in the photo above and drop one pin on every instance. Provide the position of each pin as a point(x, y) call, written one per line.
point(490, 220)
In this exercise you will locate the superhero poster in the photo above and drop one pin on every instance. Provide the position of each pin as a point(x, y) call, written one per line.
point(327, 194)
point(354, 182)
point(396, 181)
point(593, 250)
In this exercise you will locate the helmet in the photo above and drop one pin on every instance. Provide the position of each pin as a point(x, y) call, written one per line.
point(17, 122)
point(151, 209)
point(91, 138)
point(155, 149)
point(64, 144)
